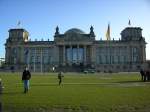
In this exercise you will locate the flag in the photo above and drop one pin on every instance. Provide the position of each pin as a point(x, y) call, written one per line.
point(18, 24)
point(108, 33)
point(25, 37)
point(129, 23)
point(26, 52)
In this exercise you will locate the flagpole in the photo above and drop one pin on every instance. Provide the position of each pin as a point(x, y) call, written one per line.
point(108, 42)
point(110, 52)
point(129, 23)
point(18, 24)
point(109, 45)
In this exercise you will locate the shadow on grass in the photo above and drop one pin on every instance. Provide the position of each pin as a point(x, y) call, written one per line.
point(131, 81)
point(44, 85)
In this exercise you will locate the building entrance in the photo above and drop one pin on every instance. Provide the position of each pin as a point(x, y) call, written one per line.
point(75, 55)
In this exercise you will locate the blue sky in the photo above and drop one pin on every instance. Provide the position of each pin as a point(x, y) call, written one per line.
point(40, 17)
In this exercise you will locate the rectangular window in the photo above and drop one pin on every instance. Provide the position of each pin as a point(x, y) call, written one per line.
point(106, 59)
point(38, 59)
point(74, 50)
point(45, 51)
point(118, 59)
point(134, 54)
point(38, 51)
point(125, 59)
point(112, 59)
point(14, 52)
point(80, 54)
point(32, 59)
point(135, 59)
point(100, 60)
point(97, 59)
point(14, 60)
point(50, 60)
point(69, 54)
point(45, 59)
point(32, 51)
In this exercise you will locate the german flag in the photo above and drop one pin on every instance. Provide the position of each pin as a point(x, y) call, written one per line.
point(108, 33)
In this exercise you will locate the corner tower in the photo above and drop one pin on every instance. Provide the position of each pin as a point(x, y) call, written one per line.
point(18, 35)
point(136, 45)
point(14, 46)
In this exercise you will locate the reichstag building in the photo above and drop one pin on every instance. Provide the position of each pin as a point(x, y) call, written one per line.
point(76, 50)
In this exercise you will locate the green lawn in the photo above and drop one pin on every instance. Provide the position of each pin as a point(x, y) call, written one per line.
point(78, 93)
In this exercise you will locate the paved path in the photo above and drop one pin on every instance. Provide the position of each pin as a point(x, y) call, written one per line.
point(124, 84)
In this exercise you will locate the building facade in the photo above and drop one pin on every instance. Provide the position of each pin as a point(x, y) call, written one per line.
point(76, 50)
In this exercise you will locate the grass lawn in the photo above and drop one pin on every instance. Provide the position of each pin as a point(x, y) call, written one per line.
point(120, 92)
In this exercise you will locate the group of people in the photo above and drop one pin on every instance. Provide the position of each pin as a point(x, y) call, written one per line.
point(26, 76)
point(145, 75)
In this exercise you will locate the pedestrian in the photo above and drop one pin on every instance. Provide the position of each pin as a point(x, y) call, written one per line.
point(60, 75)
point(145, 75)
point(53, 69)
point(148, 75)
point(142, 74)
point(26, 76)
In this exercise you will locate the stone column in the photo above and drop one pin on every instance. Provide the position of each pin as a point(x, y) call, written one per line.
point(77, 53)
point(28, 57)
point(41, 59)
point(22, 55)
point(130, 58)
point(144, 54)
point(140, 55)
point(6, 55)
point(19, 55)
point(84, 54)
point(56, 55)
point(127, 57)
point(93, 56)
point(129, 54)
point(71, 55)
point(22, 60)
point(64, 55)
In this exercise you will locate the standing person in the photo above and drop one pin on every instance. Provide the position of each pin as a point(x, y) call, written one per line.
point(60, 77)
point(148, 75)
point(26, 75)
point(142, 74)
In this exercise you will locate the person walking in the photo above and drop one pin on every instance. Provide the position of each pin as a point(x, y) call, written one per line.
point(60, 75)
point(53, 69)
point(26, 76)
